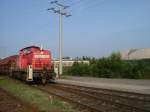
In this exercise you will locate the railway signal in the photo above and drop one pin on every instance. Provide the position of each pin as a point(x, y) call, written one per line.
point(60, 10)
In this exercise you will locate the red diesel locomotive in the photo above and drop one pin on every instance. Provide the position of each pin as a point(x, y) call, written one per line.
point(32, 65)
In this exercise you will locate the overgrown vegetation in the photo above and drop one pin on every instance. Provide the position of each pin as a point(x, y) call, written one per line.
point(111, 67)
point(35, 97)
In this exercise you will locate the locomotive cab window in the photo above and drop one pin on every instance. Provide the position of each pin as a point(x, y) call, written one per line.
point(27, 51)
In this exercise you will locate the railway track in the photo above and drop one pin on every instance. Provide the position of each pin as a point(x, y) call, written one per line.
point(100, 100)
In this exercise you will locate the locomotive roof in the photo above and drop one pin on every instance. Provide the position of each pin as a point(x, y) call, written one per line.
point(36, 47)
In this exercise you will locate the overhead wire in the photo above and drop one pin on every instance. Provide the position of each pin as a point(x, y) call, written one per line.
point(94, 5)
point(78, 4)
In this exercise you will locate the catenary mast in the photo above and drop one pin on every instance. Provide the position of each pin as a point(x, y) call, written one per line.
point(60, 9)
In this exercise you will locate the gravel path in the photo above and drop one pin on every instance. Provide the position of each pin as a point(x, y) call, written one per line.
point(131, 85)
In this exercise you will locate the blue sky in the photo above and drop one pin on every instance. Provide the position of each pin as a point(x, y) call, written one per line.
point(96, 28)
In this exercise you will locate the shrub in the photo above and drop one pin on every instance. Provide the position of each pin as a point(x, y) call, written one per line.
point(111, 67)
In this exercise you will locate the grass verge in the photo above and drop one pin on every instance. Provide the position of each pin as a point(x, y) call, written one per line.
point(36, 97)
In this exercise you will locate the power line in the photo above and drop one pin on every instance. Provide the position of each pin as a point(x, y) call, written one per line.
point(86, 5)
point(95, 4)
point(77, 2)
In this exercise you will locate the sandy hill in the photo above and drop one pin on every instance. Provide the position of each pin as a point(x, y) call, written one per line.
point(136, 54)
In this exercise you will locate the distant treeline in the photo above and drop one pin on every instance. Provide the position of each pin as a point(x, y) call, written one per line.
point(111, 67)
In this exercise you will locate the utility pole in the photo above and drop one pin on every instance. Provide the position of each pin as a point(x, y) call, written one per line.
point(60, 9)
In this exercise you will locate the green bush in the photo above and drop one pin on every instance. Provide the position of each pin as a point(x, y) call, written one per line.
point(111, 67)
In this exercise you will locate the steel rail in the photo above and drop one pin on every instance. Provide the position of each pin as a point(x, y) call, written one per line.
point(89, 100)
point(72, 100)
point(125, 94)
point(109, 100)
point(135, 101)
